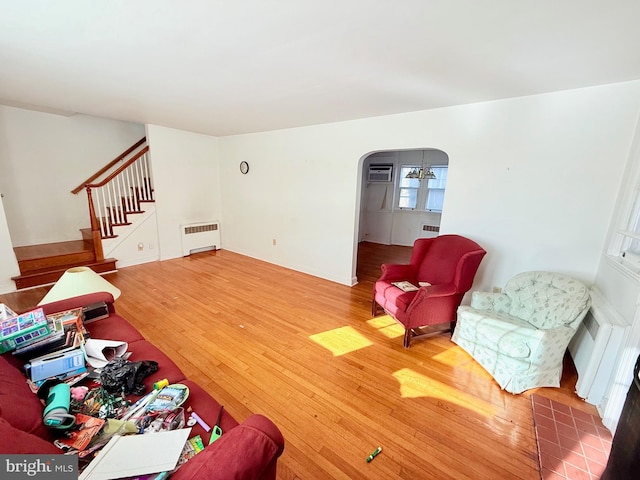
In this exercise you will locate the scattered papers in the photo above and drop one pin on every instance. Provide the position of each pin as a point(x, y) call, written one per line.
point(100, 352)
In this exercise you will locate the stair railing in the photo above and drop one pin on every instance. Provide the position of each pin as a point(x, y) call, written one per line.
point(118, 194)
point(109, 165)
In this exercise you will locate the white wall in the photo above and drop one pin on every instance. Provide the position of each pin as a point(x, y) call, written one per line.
point(532, 179)
point(186, 182)
point(42, 158)
point(137, 242)
point(8, 264)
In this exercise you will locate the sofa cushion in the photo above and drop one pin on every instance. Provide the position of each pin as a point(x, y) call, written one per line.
point(545, 299)
point(491, 302)
point(511, 342)
point(499, 332)
point(144, 350)
point(393, 297)
point(207, 408)
point(114, 328)
point(15, 441)
point(18, 404)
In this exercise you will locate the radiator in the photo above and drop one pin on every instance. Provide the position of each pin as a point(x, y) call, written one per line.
point(595, 349)
point(199, 237)
point(429, 231)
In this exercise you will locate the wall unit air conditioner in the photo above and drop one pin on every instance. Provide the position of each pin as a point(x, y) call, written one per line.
point(380, 172)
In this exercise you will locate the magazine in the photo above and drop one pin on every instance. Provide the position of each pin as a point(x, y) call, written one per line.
point(79, 437)
point(169, 398)
point(405, 286)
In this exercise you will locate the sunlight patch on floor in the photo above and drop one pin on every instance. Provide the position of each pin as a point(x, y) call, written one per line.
point(415, 385)
point(387, 326)
point(453, 356)
point(341, 340)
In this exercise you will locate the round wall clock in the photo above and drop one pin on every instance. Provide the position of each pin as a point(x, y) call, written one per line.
point(244, 167)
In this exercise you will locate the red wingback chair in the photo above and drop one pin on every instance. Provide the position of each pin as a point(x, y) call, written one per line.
point(448, 263)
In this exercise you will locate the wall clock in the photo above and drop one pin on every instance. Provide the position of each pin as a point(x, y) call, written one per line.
point(244, 167)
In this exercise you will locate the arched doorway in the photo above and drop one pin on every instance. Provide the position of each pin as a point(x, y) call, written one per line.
point(407, 203)
point(401, 196)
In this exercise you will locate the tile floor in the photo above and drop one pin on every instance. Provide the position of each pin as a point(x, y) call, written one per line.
point(572, 444)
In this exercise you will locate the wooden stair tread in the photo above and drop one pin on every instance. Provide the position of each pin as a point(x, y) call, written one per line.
point(51, 275)
point(32, 252)
point(65, 267)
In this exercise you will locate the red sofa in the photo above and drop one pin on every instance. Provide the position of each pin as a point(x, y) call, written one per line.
point(247, 450)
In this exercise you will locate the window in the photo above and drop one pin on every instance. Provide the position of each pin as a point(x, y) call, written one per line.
point(629, 249)
point(435, 189)
point(409, 187)
point(428, 193)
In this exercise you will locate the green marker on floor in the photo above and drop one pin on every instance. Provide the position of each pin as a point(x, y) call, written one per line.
point(374, 454)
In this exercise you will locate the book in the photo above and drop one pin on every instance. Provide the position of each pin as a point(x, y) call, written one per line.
point(52, 342)
point(56, 364)
point(70, 378)
point(131, 455)
point(66, 329)
point(79, 437)
point(405, 286)
point(191, 448)
point(71, 320)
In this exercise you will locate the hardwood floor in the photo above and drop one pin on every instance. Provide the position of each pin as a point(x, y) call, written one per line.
point(306, 353)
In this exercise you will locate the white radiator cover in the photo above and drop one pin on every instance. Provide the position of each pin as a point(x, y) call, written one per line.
point(595, 349)
point(200, 237)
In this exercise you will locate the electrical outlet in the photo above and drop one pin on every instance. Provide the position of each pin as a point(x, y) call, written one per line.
point(151, 246)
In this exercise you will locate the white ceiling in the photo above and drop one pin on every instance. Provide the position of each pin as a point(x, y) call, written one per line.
point(237, 66)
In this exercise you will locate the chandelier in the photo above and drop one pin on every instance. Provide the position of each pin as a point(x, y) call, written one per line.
point(422, 172)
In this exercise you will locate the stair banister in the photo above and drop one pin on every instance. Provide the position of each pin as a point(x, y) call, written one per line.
point(119, 170)
point(95, 229)
point(118, 194)
point(109, 165)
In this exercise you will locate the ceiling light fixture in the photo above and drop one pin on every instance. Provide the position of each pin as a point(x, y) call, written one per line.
point(422, 173)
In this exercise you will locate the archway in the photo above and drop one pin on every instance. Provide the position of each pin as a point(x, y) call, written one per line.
point(401, 196)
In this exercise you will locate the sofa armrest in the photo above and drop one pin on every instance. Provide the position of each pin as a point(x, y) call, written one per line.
point(248, 451)
point(392, 272)
point(79, 301)
point(493, 302)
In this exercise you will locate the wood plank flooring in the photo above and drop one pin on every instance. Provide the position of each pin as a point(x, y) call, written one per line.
point(338, 383)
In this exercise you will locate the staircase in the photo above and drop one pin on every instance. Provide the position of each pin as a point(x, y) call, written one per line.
point(115, 193)
point(45, 264)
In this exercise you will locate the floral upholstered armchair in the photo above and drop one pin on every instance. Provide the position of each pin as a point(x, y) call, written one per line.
point(520, 335)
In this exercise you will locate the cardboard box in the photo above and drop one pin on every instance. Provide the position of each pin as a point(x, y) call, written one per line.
point(21, 329)
point(56, 364)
